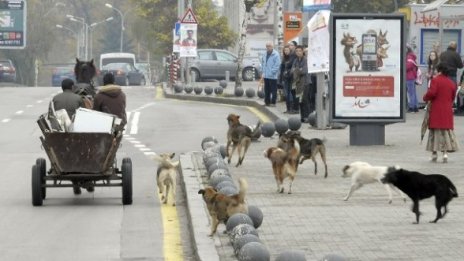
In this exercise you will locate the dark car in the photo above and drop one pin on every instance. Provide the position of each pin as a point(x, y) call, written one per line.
point(213, 64)
point(62, 72)
point(7, 71)
point(124, 74)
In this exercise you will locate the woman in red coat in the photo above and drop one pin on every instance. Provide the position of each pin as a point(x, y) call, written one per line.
point(441, 95)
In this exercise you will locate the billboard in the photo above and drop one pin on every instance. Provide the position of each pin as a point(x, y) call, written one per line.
point(367, 65)
point(13, 24)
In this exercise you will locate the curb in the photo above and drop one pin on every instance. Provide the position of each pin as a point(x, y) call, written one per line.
point(191, 180)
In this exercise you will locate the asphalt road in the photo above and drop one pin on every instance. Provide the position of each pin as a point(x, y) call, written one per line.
point(96, 226)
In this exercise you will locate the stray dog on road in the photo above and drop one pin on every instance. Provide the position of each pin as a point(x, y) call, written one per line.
point(221, 207)
point(239, 136)
point(419, 186)
point(309, 149)
point(166, 176)
point(363, 173)
point(284, 162)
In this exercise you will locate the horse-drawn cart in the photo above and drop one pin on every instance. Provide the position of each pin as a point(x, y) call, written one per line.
point(80, 160)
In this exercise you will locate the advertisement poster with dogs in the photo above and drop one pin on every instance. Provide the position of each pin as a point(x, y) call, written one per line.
point(367, 56)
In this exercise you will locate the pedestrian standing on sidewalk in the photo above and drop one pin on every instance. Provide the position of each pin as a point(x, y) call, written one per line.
point(300, 80)
point(292, 45)
point(441, 95)
point(452, 58)
point(411, 74)
point(286, 79)
point(270, 63)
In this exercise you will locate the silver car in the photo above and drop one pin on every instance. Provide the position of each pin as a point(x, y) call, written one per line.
point(213, 64)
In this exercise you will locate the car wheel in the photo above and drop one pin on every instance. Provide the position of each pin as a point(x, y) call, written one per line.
point(143, 82)
point(126, 82)
point(197, 74)
point(248, 74)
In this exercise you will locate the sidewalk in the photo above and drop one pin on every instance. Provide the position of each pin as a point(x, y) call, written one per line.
point(315, 219)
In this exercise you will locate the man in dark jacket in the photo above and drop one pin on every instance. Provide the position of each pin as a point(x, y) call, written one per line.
point(67, 100)
point(111, 99)
point(452, 59)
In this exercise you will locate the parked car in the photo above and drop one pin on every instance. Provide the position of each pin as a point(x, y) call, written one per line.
point(62, 72)
point(124, 74)
point(145, 69)
point(7, 71)
point(213, 64)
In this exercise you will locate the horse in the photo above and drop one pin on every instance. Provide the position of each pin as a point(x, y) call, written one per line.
point(85, 71)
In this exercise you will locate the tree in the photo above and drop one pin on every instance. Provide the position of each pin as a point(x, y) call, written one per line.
point(362, 6)
point(213, 31)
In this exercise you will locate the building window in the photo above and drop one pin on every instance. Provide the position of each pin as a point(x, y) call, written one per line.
point(430, 40)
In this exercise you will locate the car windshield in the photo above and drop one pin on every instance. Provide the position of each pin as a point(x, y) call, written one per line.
point(118, 66)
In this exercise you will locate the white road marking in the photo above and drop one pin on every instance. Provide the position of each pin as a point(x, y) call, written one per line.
point(5, 120)
point(144, 149)
point(134, 141)
point(39, 101)
point(29, 106)
point(19, 112)
point(149, 153)
point(140, 146)
point(135, 121)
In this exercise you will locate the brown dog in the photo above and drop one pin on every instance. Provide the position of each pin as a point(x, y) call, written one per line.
point(166, 176)
point(239, 136)
point(284, 162)
point(309, 149)
point(221, 207)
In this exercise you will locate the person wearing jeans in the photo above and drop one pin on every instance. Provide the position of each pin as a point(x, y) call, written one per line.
point(411, 74)
point(270, 65)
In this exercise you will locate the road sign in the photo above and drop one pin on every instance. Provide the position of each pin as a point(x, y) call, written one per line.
point(189, 17)
point(13, 20)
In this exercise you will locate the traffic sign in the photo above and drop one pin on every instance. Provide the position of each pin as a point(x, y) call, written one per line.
point(13, 24)
point(189, 17)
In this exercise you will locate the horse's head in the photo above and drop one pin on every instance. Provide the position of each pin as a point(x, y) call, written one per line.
point(84, 71)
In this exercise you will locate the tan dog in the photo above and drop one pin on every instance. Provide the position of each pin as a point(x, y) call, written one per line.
point(309, 149)
point(166, 176)
point(284, 162)
point(239, 136)
point(221, 207)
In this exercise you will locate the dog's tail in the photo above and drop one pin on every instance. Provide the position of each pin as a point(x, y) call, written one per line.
point(454, 192)
point(256, 129)
point(243, 184)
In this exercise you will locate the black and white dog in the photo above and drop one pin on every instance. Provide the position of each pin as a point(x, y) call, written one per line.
point(419, 186)
point(363, 173)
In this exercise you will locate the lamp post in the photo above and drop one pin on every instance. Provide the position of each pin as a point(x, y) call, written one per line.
point(91, 28)
point(85, 27)
point(242, 41)
point(122, 23)
point(75, 34)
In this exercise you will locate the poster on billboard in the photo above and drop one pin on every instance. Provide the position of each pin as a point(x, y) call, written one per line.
point(318, 37)
point(13, 21)
point(367, 65)
point(188, 40)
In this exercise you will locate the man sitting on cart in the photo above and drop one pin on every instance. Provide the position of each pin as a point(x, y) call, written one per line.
point(111, 99)
point(67, 100)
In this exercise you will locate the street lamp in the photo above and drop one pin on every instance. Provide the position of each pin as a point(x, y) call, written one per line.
point(122, 22)
point(91, 27)
point(75, 34)
point(84, 31)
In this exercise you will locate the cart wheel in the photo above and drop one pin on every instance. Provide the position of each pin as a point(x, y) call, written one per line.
point(36, 186)
point(127, 182)
point(124, 160)
point(42, 166)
